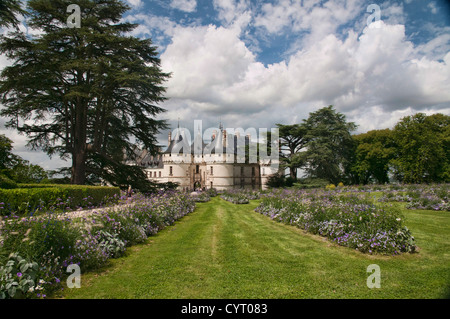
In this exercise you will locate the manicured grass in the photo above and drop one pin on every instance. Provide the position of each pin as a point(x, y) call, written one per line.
point(223, 250)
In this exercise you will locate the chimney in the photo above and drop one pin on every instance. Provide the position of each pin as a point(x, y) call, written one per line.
point(170, 138)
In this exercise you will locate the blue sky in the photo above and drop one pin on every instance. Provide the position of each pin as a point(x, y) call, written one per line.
point(255, 63)
point(417, 15)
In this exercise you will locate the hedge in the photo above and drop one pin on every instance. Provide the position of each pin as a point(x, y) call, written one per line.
point(54, 197)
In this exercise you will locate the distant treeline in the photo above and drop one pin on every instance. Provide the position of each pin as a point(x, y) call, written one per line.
point(416, 150)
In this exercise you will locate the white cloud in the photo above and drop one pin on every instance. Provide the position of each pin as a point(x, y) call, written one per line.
point(432, 7)
point(392, 13)
point(204, 60)
point(184, 5)
point(135, 4)
point(312, 20)
point(215, 73)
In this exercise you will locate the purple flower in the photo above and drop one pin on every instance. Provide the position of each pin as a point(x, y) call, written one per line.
point(19, 274)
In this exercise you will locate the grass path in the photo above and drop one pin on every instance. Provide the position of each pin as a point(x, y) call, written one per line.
point(224, 250)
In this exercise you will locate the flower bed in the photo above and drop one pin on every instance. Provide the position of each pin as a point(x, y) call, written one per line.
point(240, 196)
point(201, 197)
point(50, 243)
point(430, 197)
point(350, 220)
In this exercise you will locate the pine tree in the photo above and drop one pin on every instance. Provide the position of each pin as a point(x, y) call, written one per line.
point(329, 145)
point(8, 11)
point(89, 92)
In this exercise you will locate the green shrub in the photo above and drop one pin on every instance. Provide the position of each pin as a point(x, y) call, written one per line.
point(7, 183)
point(111, 244)
point(17, 277)
point(309, 183)
point(212, 192)
point(29, 198)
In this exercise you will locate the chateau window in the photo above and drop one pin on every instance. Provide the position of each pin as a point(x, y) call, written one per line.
point(159, 173)
point(197, 169)
point(242, 170)
point(211, 184)
point(170, 170)
point(212, 170)
point(253, 171)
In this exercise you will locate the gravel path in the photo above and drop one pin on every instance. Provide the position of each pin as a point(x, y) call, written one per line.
point(84, 212)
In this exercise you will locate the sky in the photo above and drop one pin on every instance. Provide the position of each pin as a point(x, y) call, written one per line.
point(256, 63)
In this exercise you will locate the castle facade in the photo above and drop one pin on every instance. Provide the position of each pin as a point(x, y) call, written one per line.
point(222, 164)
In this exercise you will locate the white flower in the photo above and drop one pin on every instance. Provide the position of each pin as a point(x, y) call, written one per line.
point(398, 219)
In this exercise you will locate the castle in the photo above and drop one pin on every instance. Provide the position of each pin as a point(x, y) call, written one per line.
point(222, 164)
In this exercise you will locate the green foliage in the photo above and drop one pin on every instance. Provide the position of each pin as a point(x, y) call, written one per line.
point(17, 277)
point(111, 244)
point(422, 148)
point(201, 197)
point(374, 152)
point(7, 183)
point(276, 180)
point(8, 11)
point(347, 219)
point(54, 241)
point(212, 192)
point(308, 183)
point(330, 146)
point(7, 158)
point(292, 140)
point(240, 196)
point(50, 197)
point(25, 172)
point(97, 87)
point(15, 168)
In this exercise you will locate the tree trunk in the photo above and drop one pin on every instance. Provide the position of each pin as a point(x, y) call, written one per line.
point(79, 168)
point(293, 172)
point(79, 147)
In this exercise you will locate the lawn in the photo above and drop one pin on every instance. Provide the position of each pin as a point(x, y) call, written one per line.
point(223, 250)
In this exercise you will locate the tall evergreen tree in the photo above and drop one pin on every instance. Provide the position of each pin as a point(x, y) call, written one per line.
point(329, 144)
point(9, 9)
point(89, 92)
point(7, 158)
point(292, 141)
